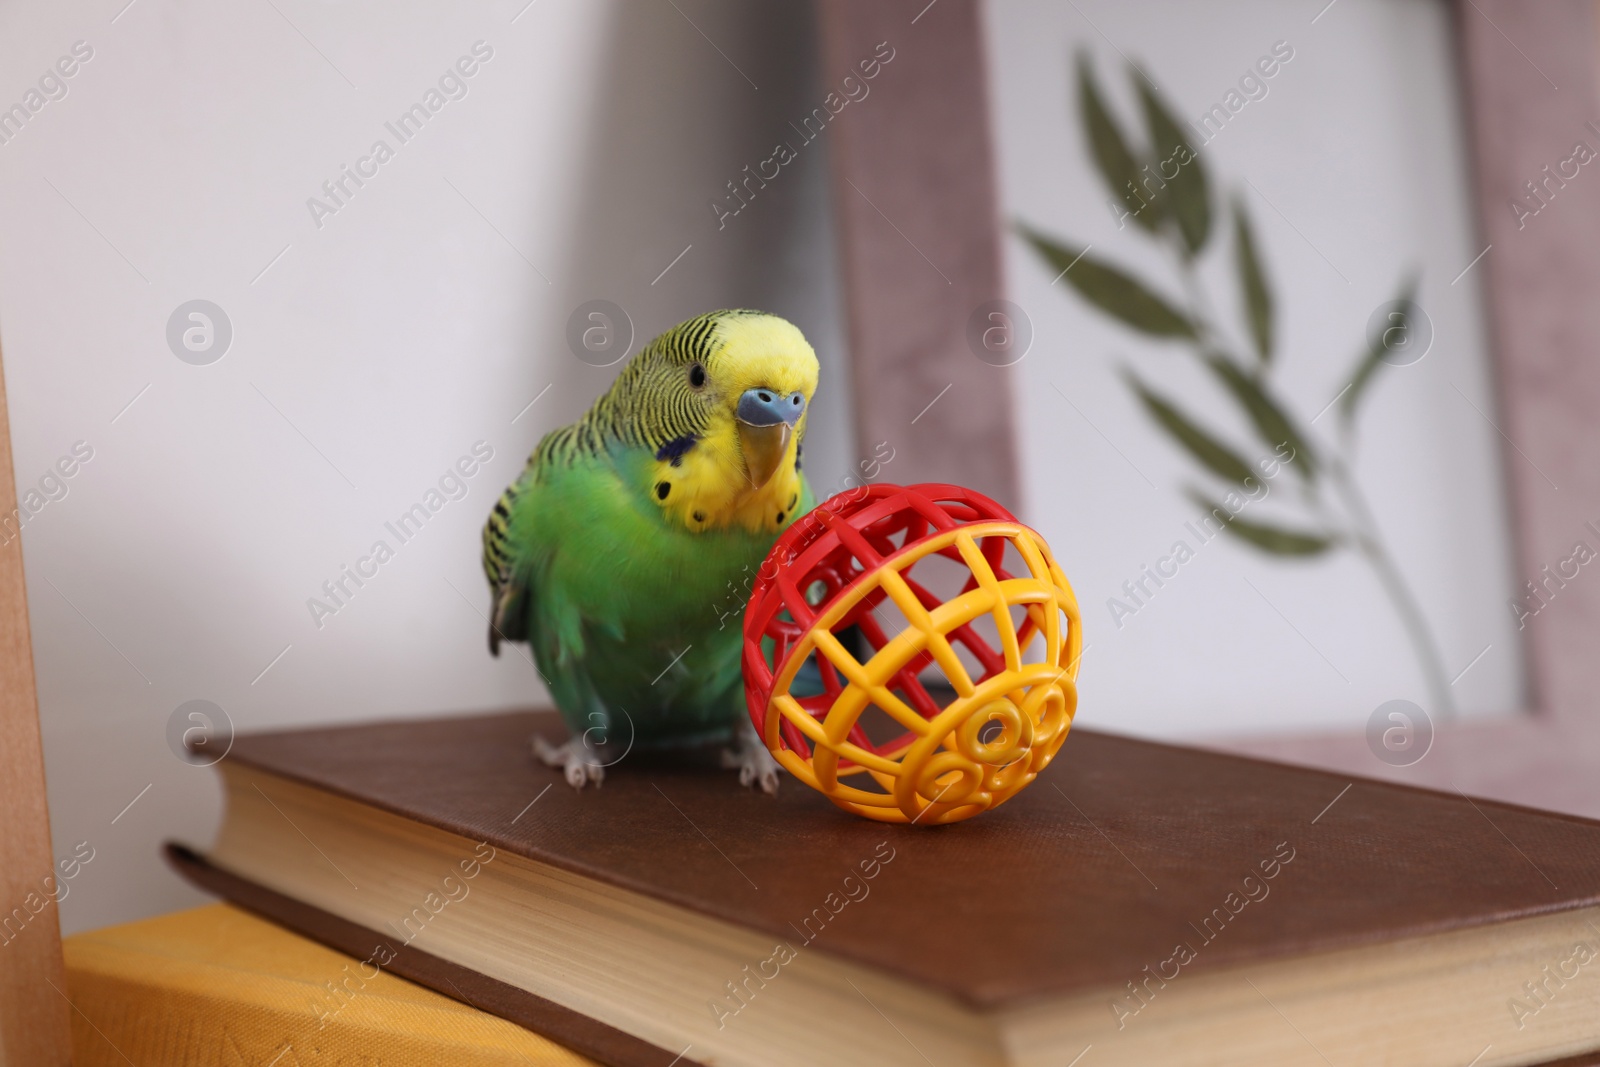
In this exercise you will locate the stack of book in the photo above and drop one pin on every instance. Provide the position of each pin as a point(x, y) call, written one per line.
point(1139, 904)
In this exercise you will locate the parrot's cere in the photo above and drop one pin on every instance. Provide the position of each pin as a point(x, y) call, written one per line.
point(613, 554)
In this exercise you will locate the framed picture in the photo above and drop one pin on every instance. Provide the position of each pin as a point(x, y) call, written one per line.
point(1458, 172)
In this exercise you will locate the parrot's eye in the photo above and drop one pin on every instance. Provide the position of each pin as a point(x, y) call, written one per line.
point(697, 376)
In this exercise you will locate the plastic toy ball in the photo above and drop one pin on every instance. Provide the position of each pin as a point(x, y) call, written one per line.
point(912, 653)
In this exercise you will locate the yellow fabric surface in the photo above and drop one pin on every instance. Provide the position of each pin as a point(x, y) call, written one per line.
point(218, 987)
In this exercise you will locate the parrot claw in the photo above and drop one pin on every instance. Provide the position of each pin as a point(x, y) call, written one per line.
point(576, 760)
point(751, 758)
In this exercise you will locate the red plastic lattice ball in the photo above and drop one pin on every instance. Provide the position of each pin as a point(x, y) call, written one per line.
point(973, 681)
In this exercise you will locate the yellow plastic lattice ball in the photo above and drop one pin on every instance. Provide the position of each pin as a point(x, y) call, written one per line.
point(953, 707)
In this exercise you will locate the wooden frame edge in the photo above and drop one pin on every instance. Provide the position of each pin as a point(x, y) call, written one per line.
point(917, 213)
point(35, 1026)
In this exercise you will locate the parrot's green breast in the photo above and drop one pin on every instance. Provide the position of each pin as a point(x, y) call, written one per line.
point(635, 621)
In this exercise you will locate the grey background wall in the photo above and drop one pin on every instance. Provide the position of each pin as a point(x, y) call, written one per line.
point(420, 318)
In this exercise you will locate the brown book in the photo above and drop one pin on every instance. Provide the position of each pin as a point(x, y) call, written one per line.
point(1140, 903)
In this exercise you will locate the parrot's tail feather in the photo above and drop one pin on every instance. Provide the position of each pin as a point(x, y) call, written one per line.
point(508, 617)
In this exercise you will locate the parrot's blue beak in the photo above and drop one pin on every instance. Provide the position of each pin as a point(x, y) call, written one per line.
point(766, 407)
point(766, 423)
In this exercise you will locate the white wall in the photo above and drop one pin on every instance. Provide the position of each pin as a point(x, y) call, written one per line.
point(392, 338)
point(1359, 145)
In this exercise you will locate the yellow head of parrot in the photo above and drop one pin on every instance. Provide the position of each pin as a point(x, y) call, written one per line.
point(725, 398)
point(765, 374)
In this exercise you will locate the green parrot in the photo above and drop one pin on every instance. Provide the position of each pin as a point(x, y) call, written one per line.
point(624, 552)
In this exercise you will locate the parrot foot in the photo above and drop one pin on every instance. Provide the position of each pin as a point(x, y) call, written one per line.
point(750, 757)
point(575, 758)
